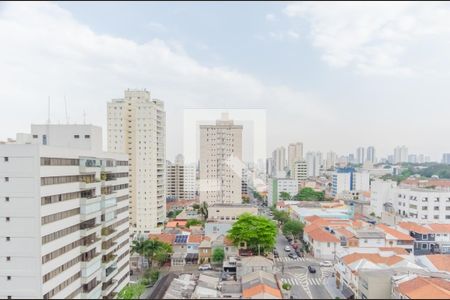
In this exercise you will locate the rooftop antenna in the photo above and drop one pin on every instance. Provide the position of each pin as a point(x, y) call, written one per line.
point(65, 106)
point(84, 117)
point(48, 112)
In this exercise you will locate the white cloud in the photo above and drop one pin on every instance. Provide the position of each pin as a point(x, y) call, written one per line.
point(271, 17)
point(380, 37)
point(46, 52)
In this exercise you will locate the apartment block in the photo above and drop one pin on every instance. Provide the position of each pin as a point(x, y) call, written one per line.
point(137, 126)
point(300, 171)
point(295, 153)
point(63, 215)
point(221, 162)
point(279, 185)
point(180, 181)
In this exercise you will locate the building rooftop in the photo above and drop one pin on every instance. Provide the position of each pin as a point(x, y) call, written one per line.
point(441, 262)
point(391, 232)
point(425, 288)
point(260, 282)
point(370, 234)
point(321, 235)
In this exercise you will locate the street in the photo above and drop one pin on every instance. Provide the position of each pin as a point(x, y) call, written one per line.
point(295, 272)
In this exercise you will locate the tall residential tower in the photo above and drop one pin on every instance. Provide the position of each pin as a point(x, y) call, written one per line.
point(137, 126)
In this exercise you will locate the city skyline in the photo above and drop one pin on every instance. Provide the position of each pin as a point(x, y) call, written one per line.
point(388, 98)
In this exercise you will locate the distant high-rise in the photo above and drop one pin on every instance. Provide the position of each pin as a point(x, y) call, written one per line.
point(360, 158)
point(180, 180)
point(371, 154)
point(221, 162)
point(331, 160)
point(314, 163)
point(300, 171)
point(412, 158)
point(295, 153)
point(400, 154)
point(279, 160)
point(137, 126)
point(351, 158)
point(446, 158)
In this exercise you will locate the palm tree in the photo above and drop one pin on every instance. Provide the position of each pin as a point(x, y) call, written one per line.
point(138, 246)
point(203, 210)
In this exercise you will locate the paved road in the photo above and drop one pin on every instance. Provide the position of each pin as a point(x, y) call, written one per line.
point(295, 272)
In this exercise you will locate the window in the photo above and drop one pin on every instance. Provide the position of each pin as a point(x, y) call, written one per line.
point(87, 136)
point(424, 237)
point(8, 238)
point(6, 159)
point(35, 136)
point(436, 208)
point(8, 258)
point(424, 246)
point(7, 199)
point(8, 277)
point(6, 179)
point(436, 217)
point(8, 219)
point(76, 136)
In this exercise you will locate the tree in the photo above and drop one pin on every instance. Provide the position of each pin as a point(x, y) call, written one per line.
point(132, 291)
point(153, 250)
point(245, 200)
point(256, 231)
point(309, 194)
point(280, 216)
point(162, 253)
point(193, 222)
point(293, 227)
point(173, 213)
point(285, 196)
point(196, 206)
point(218, 255)
point(203, 210)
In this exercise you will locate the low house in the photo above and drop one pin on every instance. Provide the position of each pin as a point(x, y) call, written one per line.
point(418, 287)
point(435, 262)
point(424, 237)
point(260, 285)
point(323, 244)
point(204, 251)
point(253, 264)
point(395, 238)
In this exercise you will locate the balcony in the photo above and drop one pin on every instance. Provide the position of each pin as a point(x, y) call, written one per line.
point(108, 246)
point(89, 242)
point(107, 231)
point(110, 273)
point(108, 287)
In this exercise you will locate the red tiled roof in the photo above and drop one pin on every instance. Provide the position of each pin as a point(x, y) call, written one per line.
point(345, 232)
point(173, 224)
point(321, 235)
point(373, 257)
point(227, 241)
point(311, 219)
point(168, 238)
point(396, 250)
point(425, 288)
point(438, 228)
point(261, 288)
point(195, 238)
point(440, 261)
point(414, 227)
point(395, 233)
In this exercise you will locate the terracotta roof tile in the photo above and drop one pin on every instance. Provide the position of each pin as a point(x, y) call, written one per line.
point(396, 250)
point(425, 288)
point(261, 288)
point(373, 257)
point(195, 238)
point(440, 261)
point(414, 227)
point(168, 238)
point(395, 233)
point(321, 235)
point(439, 227)
point(173, 224)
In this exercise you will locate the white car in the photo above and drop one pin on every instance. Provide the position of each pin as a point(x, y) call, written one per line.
point(205, 267)
point(326, 263)
point(287, 249)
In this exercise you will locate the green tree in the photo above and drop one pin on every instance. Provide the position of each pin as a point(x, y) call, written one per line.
point(280, 216)
point(285, 196)
point(196, 206)
point(193, 222)
point(293, 227)
point(255, 231)
point(245, 200)
point(309, 194)
point(173, 213)
point(162, 253)
point(153, 250)
point(218, 254)
point(203, 210)
point(131, 291)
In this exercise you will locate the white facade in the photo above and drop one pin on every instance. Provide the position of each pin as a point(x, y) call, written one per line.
point(279, 160)
point(361, 181)
point(300, 171)
point(295, 153)
point(181, 182)
point(331, 160)
point(371, 154)
point(221, 162)
point(280, 185)
point(314, 161)
point(63, 216)
point(400, 154)
point(341, 182)
point(360, 158)
point(380, 191)
point(137, 126)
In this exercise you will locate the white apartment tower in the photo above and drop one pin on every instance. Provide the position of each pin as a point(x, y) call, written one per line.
point(300, 171)
point(137, 126)
point(180, 180)
point(295, 153)
point(371, 154)
point(330, 163)
point(279, 160)
point(360, 158)
point(400, 154)
point(314, 163)
point(221, 162)
point(64, 231)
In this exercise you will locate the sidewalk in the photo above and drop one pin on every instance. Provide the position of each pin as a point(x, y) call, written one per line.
point(330, 286)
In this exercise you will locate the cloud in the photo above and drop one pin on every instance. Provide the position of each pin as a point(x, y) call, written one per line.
point(378, 38)
point(271, 17)
point(47, 52)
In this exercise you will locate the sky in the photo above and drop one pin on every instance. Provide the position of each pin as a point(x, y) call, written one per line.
point(335, 76)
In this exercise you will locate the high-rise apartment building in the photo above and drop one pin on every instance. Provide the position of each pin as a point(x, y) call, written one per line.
point(279, 161)
point(400, 154)
point(371, 154)
point(137, 126)
point(412, 158)
point(360, 158)
point(314, 163)
point(221, 162)
point(180, 180)
point(295, 153)
point(331, 160)
point(64, 231)
point(300, 172)
point(446, 158)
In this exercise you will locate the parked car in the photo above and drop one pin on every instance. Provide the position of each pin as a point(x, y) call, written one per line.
point(311, 269)
point(275, 252)
point(287, 249)
point(326, 263)
point(205, 267)
point(293, 255)
point(299, 252)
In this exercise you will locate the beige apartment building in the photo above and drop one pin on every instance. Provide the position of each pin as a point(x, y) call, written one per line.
point(221, 162)
point(295, 153)
point(181, 181)
point(230, 212)
point(137, 126)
